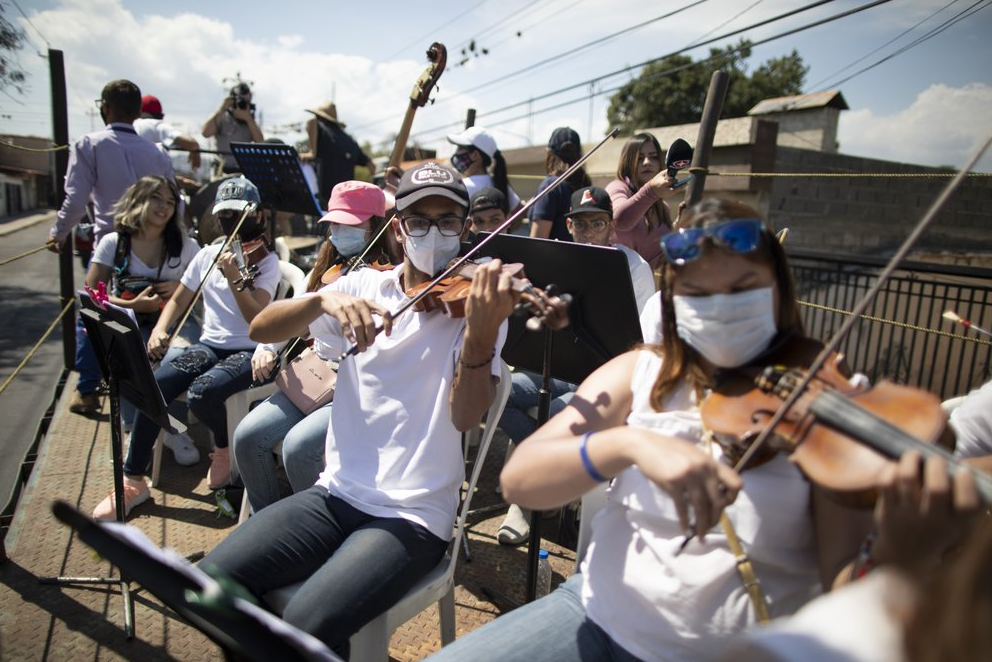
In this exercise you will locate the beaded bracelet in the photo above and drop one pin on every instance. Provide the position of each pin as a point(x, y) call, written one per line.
point(587, 463)
point(473, 366)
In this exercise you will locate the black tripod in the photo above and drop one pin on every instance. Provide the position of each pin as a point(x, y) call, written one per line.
point(124, 363)
point(603, 323)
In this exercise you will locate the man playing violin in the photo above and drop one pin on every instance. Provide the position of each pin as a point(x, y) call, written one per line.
point(381, 515)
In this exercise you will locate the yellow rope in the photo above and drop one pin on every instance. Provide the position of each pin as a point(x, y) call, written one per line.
point(913, 327)
point(69, 304)
point(18, 257)
point(53, 148)
point(894, 175)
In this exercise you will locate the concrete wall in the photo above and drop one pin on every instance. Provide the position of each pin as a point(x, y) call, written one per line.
point(867, 215)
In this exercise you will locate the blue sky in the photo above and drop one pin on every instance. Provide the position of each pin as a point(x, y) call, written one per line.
point(928, 105)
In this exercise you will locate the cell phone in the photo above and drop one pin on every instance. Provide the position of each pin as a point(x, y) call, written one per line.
point(682, 182)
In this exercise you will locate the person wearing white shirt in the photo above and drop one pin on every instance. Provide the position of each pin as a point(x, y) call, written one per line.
point(381, 515)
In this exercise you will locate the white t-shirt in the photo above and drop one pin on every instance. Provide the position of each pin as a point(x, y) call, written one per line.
point(224, 327)
point(392, 450)
point(156, 131)
point(172, 269)
point(651, 319)
point(474, 182)
point(972, 423)
point(665, 607)
point(641, 276)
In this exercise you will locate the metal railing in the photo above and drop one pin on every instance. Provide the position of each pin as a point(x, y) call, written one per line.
point(902, 336)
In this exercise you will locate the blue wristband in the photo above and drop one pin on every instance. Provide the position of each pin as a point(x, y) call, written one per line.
point(587, 463)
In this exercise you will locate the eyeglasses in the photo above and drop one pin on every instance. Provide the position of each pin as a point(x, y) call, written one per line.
point(99, 103)
point(741, 235)
point(418, 226)
point(583, 225)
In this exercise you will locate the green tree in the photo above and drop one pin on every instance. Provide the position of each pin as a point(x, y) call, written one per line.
point(12, 39)
point(673, 89)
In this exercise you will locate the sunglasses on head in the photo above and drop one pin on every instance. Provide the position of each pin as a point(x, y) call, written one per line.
point(741, 235)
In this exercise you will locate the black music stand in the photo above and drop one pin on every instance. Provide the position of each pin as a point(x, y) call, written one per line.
point(124, 363)
point(275, 169)
point(242, 629)
point(603, 322)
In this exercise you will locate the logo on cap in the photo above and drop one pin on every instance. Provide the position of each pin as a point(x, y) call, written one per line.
point(587, 198)
point(432, 173)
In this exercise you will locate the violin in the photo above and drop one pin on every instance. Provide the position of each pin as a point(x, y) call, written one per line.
point(352, 264)
point(841, 437)
point(451, 294)
point(247, 255)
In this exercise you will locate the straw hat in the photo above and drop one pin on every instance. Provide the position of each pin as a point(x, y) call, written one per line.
point(327, 111)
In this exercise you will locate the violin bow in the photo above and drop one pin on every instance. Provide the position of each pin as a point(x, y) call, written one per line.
point(862, 305)
point(457, 264)
point(249, 208)
point(954, 317)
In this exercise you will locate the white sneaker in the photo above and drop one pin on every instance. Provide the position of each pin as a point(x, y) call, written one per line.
point(182, 447)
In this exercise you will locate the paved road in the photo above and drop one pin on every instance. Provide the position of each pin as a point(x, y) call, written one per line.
point(28, 305)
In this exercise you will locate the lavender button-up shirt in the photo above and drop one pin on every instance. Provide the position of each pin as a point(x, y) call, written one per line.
point(102, 165)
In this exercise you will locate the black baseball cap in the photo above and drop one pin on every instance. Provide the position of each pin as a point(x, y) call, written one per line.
point(591, 199)
point(489, 197)
point(427, 179)
point(563, 136)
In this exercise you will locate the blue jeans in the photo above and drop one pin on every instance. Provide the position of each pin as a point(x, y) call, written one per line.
point(273, 420)
point(354, 566)
point(210, 376)
point(552, 629)
point(190, 331)
point(524, 394)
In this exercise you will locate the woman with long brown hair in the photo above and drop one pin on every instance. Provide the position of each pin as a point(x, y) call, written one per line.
point(638, 194)
point(642, 592)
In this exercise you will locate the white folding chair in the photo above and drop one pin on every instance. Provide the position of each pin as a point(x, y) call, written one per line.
point(592, 502)
point(371, 643)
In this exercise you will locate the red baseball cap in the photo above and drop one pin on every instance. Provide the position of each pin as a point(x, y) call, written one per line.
point(150, 104)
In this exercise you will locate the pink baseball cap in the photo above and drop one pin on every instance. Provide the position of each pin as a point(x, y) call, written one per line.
point(354, 202)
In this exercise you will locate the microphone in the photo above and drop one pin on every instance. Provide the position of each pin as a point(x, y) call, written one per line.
point(679, 156)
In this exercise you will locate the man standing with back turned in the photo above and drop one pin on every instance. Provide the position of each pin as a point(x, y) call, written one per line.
point(102, 165)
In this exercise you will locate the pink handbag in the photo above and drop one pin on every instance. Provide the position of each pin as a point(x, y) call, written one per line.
point(308, 381)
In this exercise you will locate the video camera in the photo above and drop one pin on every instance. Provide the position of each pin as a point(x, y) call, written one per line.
point(240, 94)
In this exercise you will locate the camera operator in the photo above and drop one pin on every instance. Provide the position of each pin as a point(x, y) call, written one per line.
point(234, 121)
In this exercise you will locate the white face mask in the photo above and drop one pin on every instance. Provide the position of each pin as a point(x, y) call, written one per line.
point(728, 330)
point(347, 239)
point(432, 252)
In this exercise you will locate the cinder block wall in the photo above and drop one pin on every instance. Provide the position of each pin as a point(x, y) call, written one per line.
point(873, 215)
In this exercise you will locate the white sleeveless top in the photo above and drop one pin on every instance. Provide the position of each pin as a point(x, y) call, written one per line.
point(663, 607)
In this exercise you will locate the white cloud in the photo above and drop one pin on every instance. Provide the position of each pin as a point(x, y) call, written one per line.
point(943, 126)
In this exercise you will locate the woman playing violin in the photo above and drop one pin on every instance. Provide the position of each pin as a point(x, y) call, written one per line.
point(641, 593)
point(352, 210)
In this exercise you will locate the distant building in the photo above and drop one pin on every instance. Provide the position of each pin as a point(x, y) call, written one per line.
point(807, 121)
point(25, 174)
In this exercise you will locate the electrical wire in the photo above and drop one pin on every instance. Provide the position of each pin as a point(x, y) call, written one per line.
point(586, 97)
point(430, 34)
point(823, 80)
point(967, 13)
point(572, 51)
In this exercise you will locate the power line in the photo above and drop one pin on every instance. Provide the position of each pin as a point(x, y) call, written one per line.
point(967, 13)
point(589, 44)
point(728, 21)
point(28, 21)
point(760, 42)
point(592, 81)
point(877, 49)
point(437, 29)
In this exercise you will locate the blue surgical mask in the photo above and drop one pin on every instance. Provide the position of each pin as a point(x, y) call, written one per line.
point(348, 240)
